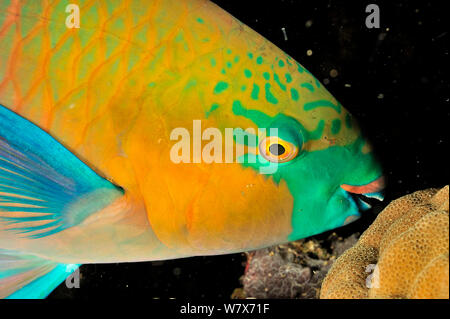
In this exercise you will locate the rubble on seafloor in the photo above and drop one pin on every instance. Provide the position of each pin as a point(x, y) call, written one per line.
point(291, 270)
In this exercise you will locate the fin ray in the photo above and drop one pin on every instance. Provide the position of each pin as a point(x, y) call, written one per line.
point(42, 183)
point(25, 276)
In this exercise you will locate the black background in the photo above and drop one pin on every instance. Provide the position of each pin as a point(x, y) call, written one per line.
point(399, 92)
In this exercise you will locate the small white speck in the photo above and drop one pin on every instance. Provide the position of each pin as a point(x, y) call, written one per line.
point(284, 34)
point(380, 96)
point(309, 52)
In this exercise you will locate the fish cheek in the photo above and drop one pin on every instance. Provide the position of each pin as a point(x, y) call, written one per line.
point(240, 210)
point(312, 184)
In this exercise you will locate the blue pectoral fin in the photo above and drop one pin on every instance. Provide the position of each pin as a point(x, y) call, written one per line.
point(44, 188)
point(29, 277)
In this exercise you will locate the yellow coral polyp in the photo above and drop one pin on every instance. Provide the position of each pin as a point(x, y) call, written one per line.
point(403, 254)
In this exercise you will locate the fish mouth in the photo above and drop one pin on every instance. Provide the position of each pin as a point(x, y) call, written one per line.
point(364, 195)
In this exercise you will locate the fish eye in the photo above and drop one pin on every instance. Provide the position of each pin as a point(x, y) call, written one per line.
point(277, 150)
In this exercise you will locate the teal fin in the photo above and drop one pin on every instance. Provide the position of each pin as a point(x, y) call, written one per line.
point(29, 277)
point(44, 188)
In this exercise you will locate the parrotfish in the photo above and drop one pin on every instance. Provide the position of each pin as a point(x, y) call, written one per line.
point(90, 97)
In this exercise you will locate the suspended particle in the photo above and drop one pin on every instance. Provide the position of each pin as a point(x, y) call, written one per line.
point(284, 34)
point(333, 73)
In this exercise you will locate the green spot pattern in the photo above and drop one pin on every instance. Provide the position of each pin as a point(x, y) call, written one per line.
point(322, 103)
point(255, 92)
point(220, 87)
point(335, 126)
point(269, 96)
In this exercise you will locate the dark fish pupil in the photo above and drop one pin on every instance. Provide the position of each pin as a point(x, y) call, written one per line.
point(277, 149)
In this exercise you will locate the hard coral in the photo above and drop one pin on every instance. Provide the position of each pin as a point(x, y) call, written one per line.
point(403, 254)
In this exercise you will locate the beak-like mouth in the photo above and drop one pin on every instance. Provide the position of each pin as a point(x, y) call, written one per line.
point(364, 194)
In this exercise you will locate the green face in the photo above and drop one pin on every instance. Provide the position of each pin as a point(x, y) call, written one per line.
point(319, 180)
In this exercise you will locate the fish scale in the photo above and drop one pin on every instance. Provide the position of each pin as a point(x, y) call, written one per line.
point(102, 102)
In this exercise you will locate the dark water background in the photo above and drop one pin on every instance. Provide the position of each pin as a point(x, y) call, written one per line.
point(394, 80)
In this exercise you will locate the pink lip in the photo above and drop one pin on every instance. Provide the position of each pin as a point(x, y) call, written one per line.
point(373, 187)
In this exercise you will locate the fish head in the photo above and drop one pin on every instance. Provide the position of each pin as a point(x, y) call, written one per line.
point(302, 162)
point(311, 144)
point(303, 156)
point(328, 170)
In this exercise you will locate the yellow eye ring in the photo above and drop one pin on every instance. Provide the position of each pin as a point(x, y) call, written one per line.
point(277, 150)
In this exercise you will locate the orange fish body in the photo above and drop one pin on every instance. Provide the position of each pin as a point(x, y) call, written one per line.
point(112, 92)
